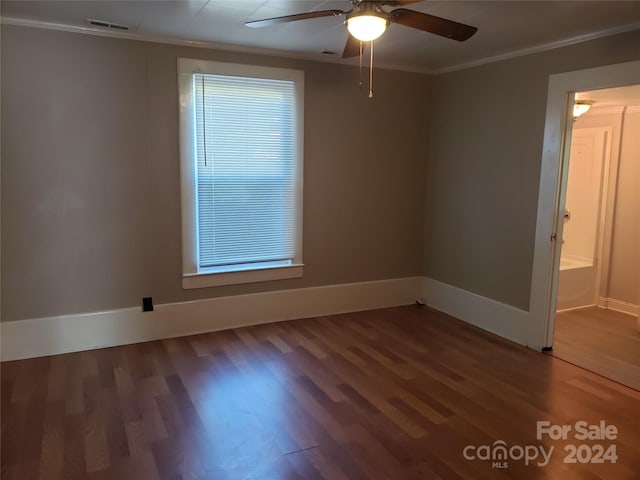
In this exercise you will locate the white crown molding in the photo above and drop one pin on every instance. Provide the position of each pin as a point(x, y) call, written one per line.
point(226, 47)
point(101, 32)
point(90, 30)
point(39, 337)
point(541, 48)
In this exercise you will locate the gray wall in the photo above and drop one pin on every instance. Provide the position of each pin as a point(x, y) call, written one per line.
point(484, 166)
point(90, 174)
point(90, 200)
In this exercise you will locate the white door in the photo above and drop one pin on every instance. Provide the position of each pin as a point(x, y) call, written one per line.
point(581, 233)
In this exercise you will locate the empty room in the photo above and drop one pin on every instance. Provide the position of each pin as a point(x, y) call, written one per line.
point(340, 240)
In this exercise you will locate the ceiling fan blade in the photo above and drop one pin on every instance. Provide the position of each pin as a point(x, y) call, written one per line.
point(432, 24)
point(352, 47)
point(293, 18)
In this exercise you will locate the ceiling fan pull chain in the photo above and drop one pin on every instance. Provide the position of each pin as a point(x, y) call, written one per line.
point(360, 85)
point(371, 73)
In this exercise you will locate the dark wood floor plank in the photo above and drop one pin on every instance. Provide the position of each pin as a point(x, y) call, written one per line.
point(395, 393)
point(75, 465)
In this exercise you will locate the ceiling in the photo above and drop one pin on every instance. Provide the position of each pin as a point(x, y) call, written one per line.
point(612, 97)
point(506, 28)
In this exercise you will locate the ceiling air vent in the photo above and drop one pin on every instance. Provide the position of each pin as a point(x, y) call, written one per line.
point(103, 24)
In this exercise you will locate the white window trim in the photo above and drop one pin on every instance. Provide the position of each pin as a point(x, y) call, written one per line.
point(192, 276)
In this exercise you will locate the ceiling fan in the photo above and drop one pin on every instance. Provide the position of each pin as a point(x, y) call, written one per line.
point(367, 20)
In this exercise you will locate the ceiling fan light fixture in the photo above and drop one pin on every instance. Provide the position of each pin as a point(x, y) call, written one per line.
point(366, 27)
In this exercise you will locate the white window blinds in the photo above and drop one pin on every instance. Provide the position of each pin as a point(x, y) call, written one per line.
point(245, 142)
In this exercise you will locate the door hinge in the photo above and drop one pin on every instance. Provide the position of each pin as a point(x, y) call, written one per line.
point(553, 237)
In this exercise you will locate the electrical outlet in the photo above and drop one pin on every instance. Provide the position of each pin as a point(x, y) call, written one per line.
point(147, 304)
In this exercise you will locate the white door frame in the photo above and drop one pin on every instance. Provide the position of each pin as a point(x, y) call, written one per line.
point(553, 180)
point(605, 221)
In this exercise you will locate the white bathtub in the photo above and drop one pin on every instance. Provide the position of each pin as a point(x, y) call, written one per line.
point(570, 263)
point(576, 287)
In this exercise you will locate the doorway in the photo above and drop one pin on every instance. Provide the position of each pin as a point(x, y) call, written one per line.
point(557, 137)
point(599, 270)
point(584, 213)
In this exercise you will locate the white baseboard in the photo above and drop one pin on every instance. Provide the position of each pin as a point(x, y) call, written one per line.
point(619, 306)
point(71, 333)
point(495, 317)
point(571, 309)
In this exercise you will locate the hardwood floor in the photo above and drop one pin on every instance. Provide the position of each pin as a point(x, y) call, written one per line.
point(601, 340)
point(389, 394)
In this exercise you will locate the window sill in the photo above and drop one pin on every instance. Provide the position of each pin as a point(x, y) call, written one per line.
point(203, 280)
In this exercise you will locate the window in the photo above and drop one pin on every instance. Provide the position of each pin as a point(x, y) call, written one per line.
point(241, 172)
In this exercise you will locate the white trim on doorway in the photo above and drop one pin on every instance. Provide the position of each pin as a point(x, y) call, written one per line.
point(553, 173)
